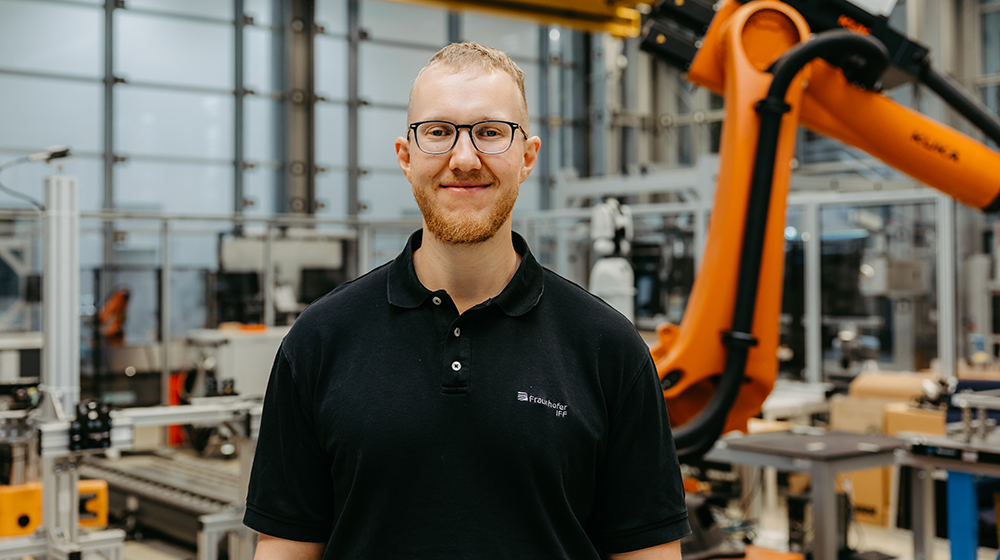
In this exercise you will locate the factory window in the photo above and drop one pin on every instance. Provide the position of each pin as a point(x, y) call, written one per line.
point(174, 112)
point(52, 93)
point(990, 66)
point(878, 287)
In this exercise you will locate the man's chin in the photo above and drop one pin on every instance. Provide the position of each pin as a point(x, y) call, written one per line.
point(453, 235)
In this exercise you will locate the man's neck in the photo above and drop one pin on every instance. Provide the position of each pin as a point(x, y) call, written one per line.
point(471, 274)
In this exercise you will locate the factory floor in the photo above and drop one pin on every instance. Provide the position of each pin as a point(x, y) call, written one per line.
point(772, 533)
point(862, 537)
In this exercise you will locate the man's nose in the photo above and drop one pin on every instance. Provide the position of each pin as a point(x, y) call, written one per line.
point(464, 155)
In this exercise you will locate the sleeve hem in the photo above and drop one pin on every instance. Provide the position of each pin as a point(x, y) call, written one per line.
point(669, 530)
point(274, 526)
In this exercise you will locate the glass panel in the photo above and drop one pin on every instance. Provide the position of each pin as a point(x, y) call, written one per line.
point(29, 179)
point(991, 97)
point(528, 196)
point(331, 191)
point(792, 352)
point(33, 37)
point(143, 324)
point(262, 11)
point(387, 242)
point(91, 245)
point(259, 141)
point(378, 131)
point(331, 134)
point(208, 8)
point(187, 289)
point(157, 49)
point(387, 196)
point(395, 22)
point(38, 112)
point(191, 246)
point(258, 61)
point(174, 123)
point(531, 73)
point(878, 288)
point(663, 256)
point(331, 68)
point(685, 144)
point(516, 37)
point(560, 244)
point(991, 43)
point(332, 15)
point(387, 73)
point(259, 186)
point(174, 188)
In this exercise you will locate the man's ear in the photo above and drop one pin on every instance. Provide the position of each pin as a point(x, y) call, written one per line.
point(531, 146)
point(403, 155)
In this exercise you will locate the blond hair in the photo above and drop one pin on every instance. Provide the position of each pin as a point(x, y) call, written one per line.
point(476, 58)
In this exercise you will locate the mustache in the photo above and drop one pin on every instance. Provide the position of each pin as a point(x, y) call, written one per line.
point(475, 177)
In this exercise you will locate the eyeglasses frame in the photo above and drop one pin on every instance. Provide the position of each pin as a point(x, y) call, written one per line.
point(458, 129)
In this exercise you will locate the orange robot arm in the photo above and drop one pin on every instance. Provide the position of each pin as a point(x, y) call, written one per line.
point(720, 363)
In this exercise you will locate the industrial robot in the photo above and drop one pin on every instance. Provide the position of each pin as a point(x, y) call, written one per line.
point(612, 278)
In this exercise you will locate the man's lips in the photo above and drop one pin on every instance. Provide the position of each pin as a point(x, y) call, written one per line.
point(464, 184)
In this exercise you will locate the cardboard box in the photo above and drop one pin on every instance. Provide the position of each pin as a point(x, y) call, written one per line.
point(869, 490)
point(860, 415)
point(900, 386)
point(759, 426)
point(901, 417)
point(870, 493)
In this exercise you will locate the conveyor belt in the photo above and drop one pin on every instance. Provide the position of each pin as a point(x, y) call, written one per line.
point(184, 482)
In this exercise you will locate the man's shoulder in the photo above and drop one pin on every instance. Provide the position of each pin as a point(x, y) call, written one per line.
point(565, 292)
point(585, 314)
point(345, 305)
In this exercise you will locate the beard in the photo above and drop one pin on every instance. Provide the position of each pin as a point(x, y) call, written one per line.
point(462, 228)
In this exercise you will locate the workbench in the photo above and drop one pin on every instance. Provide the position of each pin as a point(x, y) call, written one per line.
point(823, 456)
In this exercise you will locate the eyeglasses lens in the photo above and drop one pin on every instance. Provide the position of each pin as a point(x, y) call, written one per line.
point(487, 137)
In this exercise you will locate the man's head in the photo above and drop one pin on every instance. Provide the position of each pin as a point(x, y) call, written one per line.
point(466, 196)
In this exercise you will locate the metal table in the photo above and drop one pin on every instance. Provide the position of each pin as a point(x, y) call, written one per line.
point(925, 455)
point(823, 456)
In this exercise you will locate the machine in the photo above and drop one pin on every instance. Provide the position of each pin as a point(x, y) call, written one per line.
point(779, 65)
point(612, 278)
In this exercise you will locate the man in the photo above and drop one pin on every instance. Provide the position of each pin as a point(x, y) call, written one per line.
point(462, 401)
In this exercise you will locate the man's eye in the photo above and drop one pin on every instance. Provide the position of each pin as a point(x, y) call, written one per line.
point(489, 133)
point(438, 132)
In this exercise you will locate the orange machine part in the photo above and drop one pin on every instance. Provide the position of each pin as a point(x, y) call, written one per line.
point(695, 348)
point(93, 503)
point(930, 152)
point(924, 149)
point(20, 509)
point(742, 41)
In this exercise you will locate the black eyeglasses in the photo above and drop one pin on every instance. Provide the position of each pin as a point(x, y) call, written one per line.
point(489, 137)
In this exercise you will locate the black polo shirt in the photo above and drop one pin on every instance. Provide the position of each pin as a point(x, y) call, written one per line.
point(530, 426)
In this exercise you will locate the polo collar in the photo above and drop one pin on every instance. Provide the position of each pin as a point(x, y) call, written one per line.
point(517, 298)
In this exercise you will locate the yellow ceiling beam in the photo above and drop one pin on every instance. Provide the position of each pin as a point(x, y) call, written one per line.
point(620, 18)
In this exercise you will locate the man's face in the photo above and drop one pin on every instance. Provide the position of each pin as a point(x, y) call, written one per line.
point(466, 196)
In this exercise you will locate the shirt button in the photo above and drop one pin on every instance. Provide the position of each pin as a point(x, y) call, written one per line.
point(456, 366)
point(458, 331)
point(436, 300)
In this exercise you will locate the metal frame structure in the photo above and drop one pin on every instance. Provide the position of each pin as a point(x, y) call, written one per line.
point(693, 185)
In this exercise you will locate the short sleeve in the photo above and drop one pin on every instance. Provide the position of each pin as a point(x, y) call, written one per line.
point(291, 490)
point(640, 494)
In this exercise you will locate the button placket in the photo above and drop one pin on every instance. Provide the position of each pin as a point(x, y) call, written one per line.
point(457, 360)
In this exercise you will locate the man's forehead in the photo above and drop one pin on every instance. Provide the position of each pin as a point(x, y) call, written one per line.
point(441, 90)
